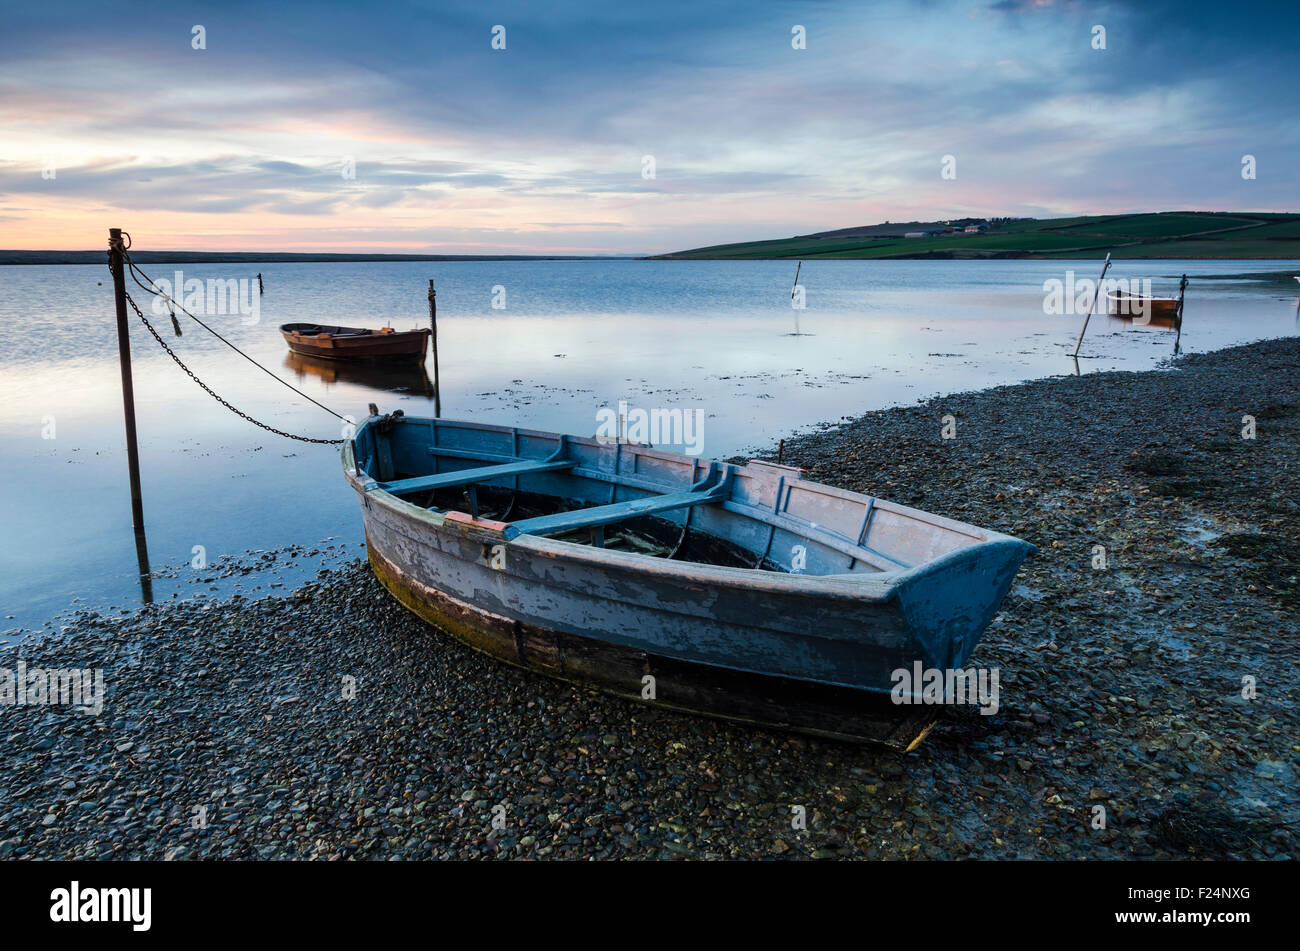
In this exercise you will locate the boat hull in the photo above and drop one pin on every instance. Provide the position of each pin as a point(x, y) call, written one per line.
point(1156, 311)
point(360, 346)
point(668, 683)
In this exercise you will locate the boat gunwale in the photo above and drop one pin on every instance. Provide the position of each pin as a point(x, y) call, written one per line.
point(328, 330)
point(875, 586)
point(1120, 298)
point(750, 470)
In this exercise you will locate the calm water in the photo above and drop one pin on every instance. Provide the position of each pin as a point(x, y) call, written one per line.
point(572, 337)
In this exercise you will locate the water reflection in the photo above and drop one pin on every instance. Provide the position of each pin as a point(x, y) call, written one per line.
point(398, 378)
point(142, 563)
point(1155, 321)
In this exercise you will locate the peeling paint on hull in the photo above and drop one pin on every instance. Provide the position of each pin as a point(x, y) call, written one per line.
point(834, 712)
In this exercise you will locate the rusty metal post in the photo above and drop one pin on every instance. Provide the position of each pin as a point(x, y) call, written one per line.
point(433, 327)
point(115, 250)
point(1178, 317)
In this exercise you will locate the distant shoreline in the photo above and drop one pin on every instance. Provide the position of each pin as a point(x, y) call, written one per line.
point(19, 258)
point(273, 257)
point(1157, 236)
point(1083, 255)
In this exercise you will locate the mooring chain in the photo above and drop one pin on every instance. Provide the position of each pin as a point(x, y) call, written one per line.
point(207, 389)
point(175, 305)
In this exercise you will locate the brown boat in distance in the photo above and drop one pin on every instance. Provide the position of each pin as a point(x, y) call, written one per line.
point(1152, 311)
point(356, 343)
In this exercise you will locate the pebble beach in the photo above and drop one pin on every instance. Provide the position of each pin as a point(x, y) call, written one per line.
point(1149, 660)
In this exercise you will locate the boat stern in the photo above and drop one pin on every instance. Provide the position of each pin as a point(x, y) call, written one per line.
point(948, 603)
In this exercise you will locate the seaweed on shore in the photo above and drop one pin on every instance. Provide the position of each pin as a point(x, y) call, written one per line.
point(1186, 488)
point(1274, 561)
point(1181, 479)
point(1202, 827)
point(1158, 463)
point(1278, 411)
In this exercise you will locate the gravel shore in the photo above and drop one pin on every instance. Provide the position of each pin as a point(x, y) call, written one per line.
point(225, 733)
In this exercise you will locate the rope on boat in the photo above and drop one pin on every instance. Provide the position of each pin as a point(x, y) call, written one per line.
point(173, 305)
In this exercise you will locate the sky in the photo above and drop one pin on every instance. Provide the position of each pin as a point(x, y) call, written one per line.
point(626, 128)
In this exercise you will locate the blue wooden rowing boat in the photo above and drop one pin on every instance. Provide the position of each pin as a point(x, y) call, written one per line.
point(743, 592)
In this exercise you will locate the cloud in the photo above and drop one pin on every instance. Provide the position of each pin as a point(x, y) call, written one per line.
point(451, 137)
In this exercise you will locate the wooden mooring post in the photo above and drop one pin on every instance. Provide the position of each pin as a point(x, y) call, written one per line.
point(142, 566)
point(1084, 329)
point(433, 328)
point(115, 250)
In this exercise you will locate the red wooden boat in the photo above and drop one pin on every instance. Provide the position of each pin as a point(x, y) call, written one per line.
point(356, 343)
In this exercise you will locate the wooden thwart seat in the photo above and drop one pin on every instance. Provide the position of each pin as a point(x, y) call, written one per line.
point(714, 487)
point(606, 514)
point(444, 480)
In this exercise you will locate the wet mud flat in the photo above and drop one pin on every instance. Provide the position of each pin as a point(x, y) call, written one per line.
point(1125, 684)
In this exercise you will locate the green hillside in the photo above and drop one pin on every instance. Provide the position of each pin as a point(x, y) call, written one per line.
point(1171, 234)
